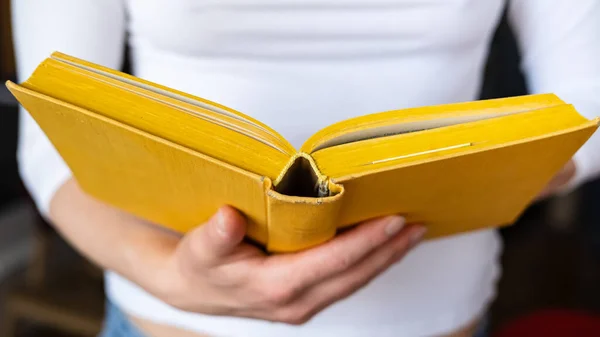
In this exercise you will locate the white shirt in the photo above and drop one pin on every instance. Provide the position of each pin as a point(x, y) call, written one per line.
point(300, 65)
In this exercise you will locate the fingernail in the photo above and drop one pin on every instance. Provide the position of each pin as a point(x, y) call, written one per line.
point(394, 225)
point(220, 222)
point(417, 235)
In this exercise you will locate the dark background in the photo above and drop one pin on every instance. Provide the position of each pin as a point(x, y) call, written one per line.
point(551, 258)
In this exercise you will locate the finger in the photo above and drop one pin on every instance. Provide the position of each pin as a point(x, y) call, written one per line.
point(347, 283)
point(218, 237)
point(559, 181)
point(312, 266)
point(374, 264)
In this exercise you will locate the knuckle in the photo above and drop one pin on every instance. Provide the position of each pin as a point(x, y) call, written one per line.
point(280, 295)
point(341, 262)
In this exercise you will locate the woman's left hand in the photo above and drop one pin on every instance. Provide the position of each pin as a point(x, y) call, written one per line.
point(561, 179)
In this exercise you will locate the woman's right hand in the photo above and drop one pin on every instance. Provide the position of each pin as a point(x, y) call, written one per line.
point(211, 270)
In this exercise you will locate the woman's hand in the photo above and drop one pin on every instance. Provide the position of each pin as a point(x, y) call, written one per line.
point(212, 271)
point(560, 180)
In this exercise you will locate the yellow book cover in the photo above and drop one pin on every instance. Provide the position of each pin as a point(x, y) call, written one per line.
point(173, 158)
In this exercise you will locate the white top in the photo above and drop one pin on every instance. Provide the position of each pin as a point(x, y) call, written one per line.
point(324, 61)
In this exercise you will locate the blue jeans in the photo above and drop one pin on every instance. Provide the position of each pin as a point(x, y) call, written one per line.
point(116, 324)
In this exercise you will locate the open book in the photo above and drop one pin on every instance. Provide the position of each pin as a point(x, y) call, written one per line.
point(173, 159)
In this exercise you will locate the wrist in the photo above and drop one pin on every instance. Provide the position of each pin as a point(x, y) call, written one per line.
point(147, 256)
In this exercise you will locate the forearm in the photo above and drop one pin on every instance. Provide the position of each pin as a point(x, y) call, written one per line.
point(111, 238)
point(212, 271)
point(560, 48)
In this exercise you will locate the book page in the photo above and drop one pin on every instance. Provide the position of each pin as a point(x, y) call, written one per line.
point(397, 129)
point(405, 149)
point(232, 120)
point(423, 118)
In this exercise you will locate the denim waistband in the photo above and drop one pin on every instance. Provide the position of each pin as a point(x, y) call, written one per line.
point(116, 324)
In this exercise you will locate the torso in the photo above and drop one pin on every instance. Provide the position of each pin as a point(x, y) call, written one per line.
point(299, 65)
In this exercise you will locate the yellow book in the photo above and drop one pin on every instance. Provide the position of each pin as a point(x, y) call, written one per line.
point(173, 158)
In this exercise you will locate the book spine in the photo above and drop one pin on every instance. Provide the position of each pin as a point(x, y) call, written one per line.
point(296, 223)
point(303, 206)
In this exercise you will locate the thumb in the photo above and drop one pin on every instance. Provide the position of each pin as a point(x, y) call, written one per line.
point(217, 238)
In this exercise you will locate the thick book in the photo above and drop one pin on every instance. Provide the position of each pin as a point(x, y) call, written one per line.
point(173, 159)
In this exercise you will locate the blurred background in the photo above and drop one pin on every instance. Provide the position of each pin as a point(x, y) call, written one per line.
point(551, 259)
